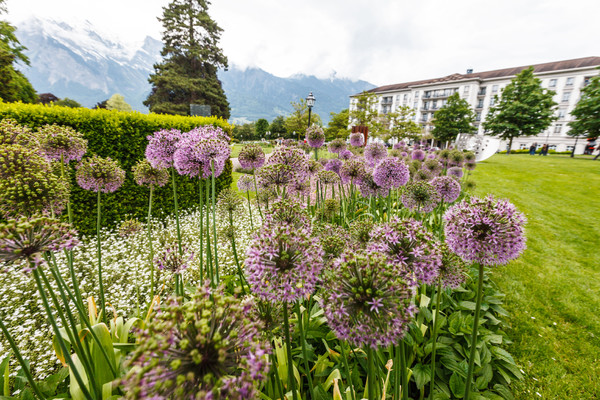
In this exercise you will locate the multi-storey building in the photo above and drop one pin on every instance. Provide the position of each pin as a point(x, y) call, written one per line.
point(480, 89)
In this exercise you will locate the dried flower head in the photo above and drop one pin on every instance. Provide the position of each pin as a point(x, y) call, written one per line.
point(169, 259)
point(161, 147)
point(145, 175)
point(447, 187)
point(315, 136)
point(251, 156)
point(337, 145)
point(375, 152)
point(357, 139)
point(485, 231)
point(62, 142)
point(99, 174)
point(420, 196)
point(391, 173)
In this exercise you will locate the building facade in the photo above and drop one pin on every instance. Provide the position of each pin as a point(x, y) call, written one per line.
point(479, 89)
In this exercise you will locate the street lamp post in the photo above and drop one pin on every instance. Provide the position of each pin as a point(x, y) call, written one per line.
point(310, 102)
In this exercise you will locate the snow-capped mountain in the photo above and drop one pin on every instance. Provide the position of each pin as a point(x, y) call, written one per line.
point(79, 62)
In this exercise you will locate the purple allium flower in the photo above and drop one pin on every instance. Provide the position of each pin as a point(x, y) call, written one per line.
point(13, 133)
point(333, 238)
point(337, 145)
point(444, 156)
point(457, 158)
point(368, 186)
point(334, 164)
point(357, 139)
point(289, 143)
point(353, 171)
point(207, 348)
point(447, 187)
point(455, 172)
point(299, 188)
point(99, 174)
point(275, 175)
point(294, 158)
point(470, 165)
point(433, 166)
point(61, 141)
point(169, 258)
point(366, 302)
point(210, 132)
point(453, 271)
point(323, 161)
point(265, 195)
point(145, 175)
point(409, 247)
point(213, 153)
point(328, 177)
point(420, 196)
point(345, 154)
point(283, 263)
point(375, 152)
point(314, 167)
point(161, 147)
point(421, 175)
point(187, 160)
point(330, 208)
point(418, 155)
point(400, 145)
point(360, 232)
point(391, 173)
point(430, 156)
point(404, 154)
point(315, 136)
point(485, 231)
point(469, 156)
point(246, 184)
point(28, 238)
point(130, 227)
point(251, 156)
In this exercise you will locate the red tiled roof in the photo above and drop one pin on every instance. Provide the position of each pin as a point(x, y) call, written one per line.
point(497, 73)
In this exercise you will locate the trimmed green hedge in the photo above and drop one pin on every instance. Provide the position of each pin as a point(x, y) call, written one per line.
point(121, 136)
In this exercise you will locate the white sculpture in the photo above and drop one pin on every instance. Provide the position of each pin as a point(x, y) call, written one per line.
point(483, 146)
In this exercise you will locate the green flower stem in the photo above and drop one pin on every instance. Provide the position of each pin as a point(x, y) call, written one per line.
point(304, 353)
point(371, 376)
point(201, 188)
point(347, 368)
point(176, 211)
point(434, 337)
point(256, 190)
point(397, 372)
point(250, 210)
point(21, 361)
point(316, 154)
point(288, 344)
point(61, 343)
point(212, 168)
point(275, 377)
point(151, 254)
point(235, 256)
point(474, 334)
point(209, 260)
point(404, 371)
point(99, 251)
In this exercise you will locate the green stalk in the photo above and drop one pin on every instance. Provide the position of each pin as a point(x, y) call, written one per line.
point(288, 345)
point(274, 369)
point(212, 168)
point(250, 209)
point(99, 248)
point(404, 371)
point(21, 361)
point(345, 358)
point(209, 259)
point(304, 354)
point(371, 376)
point(151, 255)
point(201, 187)
point(434, 337)
point(256, 190)
point(397, 372)
point(176, 211)
point(474, 334)
point(235, 256)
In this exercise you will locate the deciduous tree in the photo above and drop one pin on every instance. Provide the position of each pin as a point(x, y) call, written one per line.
point(261, 127)
point(117, 102)
point(455, 117)
point(338, 125)
point(297, 122)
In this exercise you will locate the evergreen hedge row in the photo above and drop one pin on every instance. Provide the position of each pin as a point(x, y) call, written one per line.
point(121, 136)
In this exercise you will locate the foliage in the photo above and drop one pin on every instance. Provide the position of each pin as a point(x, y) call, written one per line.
point(399, 124)
point(364, 111)
point(121, 136)
point(244, 131)
point(188, 73)
point(261, 127)
point(455, 117)
point(277, 127)
point(297, 122)
point(117, 102)
point(524, 109)
point(338, 125)
point(67, 102)
point(47, 98)
point(587, 111)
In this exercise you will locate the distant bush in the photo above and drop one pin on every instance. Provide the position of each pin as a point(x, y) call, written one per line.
point(121, 136)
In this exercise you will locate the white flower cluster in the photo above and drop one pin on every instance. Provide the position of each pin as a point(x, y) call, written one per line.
point(126, 267)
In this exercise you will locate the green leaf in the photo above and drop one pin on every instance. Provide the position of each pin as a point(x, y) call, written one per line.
point(486, 376)
point(503, 391)
point(467, 305)
point(502, 354)
point(457, 385)
point(422, 374)
point(4, 371)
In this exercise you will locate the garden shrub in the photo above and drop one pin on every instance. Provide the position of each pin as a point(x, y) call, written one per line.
point(121, 136)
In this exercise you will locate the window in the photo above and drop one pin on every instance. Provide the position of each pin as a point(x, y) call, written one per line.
point(427, 94)
point(424, 117)
point(570, 81)
point(552, 83)
point(425, 105)
point(478, 116)
point(552, 147)
point(557, 128)
point(561, 113)
point(444, 102)
point(417, 94)
point(586, 80)
point(566, 96)
point(492, 101)
point(434, 105)
point(466, 90)
point(570, 148)
point(481, 91)
point(405, 96)
point(480, 103)
point(415, 105)
point(494, 89)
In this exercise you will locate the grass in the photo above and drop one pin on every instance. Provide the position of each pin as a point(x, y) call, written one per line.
point(235, 150)
point(553, 290)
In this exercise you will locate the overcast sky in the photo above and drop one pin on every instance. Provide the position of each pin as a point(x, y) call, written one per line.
point(380, 41)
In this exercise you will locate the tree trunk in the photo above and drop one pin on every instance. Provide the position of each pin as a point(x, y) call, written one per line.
point(573, 152)
point(509, 146)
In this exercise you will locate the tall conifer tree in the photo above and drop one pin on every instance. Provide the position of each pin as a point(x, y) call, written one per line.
point(188, 73)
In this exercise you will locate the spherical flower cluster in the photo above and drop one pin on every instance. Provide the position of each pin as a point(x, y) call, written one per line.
point(169, 259)
point(275, 175)
point(457, 158)
point(420, 196)
point(99, 174)
point(283, 263)
point(145, 175)
point(299, 188)
point(331, 208)
point(251, 156)
point(470, 166)
point(485, 231)
point(213, 153)
point(408, 246)
point(207, 348)
point(210, 132)
point(433, 166)
point(289, 212)
point(13, 133)
point(357, 139)
point(28, 238)
point(391, 173)
point(353, 171)
point(161, 147)
point(315, 136)
point(421, 175)
point(266, 195)
point(360, 232)
point(368, 186)
point(292, 157)
point(130, 227)
point(345, 154)
point(417, 155)
point(366, 302)
point(246, 184)
point(187, 160)
point(374, 153)
point(229, 202)
point(453, 271)
point(61, 142)
point(455, 172)
point(328, 177)
point(447, 187)
point(314, 167)
point(400, 145)
point(334, 164)
point(337, 145)
point(333, 239)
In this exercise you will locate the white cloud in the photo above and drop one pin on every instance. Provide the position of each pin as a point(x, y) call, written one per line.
point(385, 41)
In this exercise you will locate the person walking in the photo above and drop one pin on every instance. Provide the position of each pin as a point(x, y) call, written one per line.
point(532, 149)
point(544, 151)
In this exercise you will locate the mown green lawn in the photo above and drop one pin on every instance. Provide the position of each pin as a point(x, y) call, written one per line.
point(553, 290)
point(235, 150)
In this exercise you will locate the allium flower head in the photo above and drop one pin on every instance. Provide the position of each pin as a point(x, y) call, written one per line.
point(417, 155)
point(170, 260)
point(444, 156)
point(421, 175)
point(353, 171)
point(420, 196)
point(315, 136)
point(337, 145)
point(453, 271)
point(357, 139)
point(266, 195)
point(400, 145)
point(391, 173)
point(486, 231)
point(145, 175)
point(130, 227)
point(455, 172)
point(366, 302)
point(292, 157)
point(13, 133)
point(409, 247)
point(275, 175)
point(331, 208)
point(345, 154)
point(62, 141)
point(210, 132)
point(457, 158)
point(299, 188)
point(246, 184)
point(360, 232)
point(283, 263)
point(229, 202)
point(433, 166)
point(99, 174)
point(187, 159)
point(447, 187)
point(375, 152)
point(213, 153)
point(207, 348)
point(469, 156)
point(288, 212)
point(314, 167)
point(28, 238)
point(251, 156)
point(334, 164)
point(368, 186)
point(333, 239)
point(470, 165)
point(161, 147)
point(328, 177)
